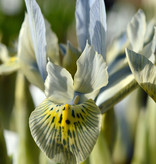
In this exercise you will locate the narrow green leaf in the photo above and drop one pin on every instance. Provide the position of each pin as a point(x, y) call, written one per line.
point(140, 148)
point(121, 83)
point(28, 152)
point(151, 122)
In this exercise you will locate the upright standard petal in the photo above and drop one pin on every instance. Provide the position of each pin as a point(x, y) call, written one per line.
point(58, 84)
point(66, 133)
point(91, 72)
point(91, 24)
point(38, 32)
point(136, 31)
point(26, 56)
point(82, 14)
point(144, 72)
point(97, 28)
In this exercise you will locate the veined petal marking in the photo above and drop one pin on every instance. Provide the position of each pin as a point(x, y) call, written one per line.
point(92, 67)
point(66, 133)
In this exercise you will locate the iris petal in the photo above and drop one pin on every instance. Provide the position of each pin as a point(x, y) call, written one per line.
point(82, 22)
point(38, 33)
point(59, 84)
point(144, 72)
point(91, 24)
point(66, 133)
point(26, 55)
point(91, 72)
point(136, 31)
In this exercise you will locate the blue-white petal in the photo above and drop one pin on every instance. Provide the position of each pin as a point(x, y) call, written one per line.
point(59, 84)
point(82, 22)
point(91, 24)
point(91, 72)
point(38, 32)
point(26, 55)
point(97, 28)
point(136, 31)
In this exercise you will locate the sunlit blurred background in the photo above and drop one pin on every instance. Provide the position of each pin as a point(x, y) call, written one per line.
point(60, 14)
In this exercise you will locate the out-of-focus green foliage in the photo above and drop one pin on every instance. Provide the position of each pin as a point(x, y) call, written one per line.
point(7, 101)
point(10, 23)
point(60, 14)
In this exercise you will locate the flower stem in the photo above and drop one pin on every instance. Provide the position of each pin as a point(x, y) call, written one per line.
point(28, 152)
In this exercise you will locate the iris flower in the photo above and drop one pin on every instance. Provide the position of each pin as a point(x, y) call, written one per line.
point(9, 64)
point(67, 123)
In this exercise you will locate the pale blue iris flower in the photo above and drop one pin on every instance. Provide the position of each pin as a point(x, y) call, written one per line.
point(67, 123)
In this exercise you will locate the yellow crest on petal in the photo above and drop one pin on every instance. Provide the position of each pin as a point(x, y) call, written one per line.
point(66, 133)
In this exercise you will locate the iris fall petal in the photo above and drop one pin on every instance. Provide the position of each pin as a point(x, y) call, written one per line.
point(66, 133)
